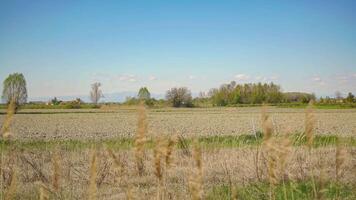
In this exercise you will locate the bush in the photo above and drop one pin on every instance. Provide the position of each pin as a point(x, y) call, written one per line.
point(72, 105)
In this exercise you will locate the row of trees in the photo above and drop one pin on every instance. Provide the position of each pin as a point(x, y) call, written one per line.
point(252, 93)
point(176, 97)
point(227, 94)
point(350, 98)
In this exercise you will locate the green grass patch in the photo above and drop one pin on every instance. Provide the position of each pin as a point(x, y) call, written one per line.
point(69, 145)
point(228, 141)
point(318, 105)
point(290, 190)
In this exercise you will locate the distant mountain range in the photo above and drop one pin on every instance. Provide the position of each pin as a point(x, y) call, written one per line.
point(109, 97)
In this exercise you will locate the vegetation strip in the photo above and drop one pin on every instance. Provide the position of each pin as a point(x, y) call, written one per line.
point(206, 142)
point(289, 190)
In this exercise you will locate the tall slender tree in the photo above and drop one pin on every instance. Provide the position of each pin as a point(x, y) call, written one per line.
point(15, 89)
point(95, 93)
point(143, 94)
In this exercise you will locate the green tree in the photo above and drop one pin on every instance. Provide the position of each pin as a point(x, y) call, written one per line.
point(350, 98)
point(15, 89)
point(55, 101)
point(179, 97)
point(144, 94)
point(250, 93)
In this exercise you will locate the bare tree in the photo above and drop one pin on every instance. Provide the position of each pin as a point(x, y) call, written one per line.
point(338, 95)
point(95, 93)
point(179, 97)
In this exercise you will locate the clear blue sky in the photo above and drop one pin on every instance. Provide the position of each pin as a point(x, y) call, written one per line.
point(63, 46)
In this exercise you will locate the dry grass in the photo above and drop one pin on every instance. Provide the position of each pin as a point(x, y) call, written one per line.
point(309, 124)
point(189, 123)
point(276, 150)
point(266, 124)
point(196, 176)
point(11, 191)
point(5, 129)
point(167, 172)
point(92, 190)
point(140, 139)
point(340, 157)
point(182, 178)
point(43, 193)
point(56, 172)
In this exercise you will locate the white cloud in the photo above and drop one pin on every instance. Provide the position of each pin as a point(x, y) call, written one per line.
point(342, 78)
point(318, 80)
point(273, 78)
point(100, 76)
point(128, 78)
point(242, 77)
point(259, 78)
point(132, 80)
point(266, 79)
point(191, 77)
point(152, 78)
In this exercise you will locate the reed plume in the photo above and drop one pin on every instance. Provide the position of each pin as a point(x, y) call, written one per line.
point(234, 193)
point(277, 150)
point(272, 170)
point(266, 124)
point(5, 129)
point(43, 193)
point(309, 124)
point(140, 139)
point(340, 157)
point(11, 191)
point(158, 154)
point(196, 178)
point(172, 141)
point(56, 171)
point(120, 167)
point(92, 191)
point(129, 193)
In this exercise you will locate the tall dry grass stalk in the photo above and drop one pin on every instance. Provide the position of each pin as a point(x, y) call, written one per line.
point(92, 190)
point(140, 139)
point(267, 128)
point(5, 129)
point(340, 157)
point(11, 191)
point(309, 124)
point(119, 166)
point(196, 178)
point(129, 193)
point(234, 193)
point(279, 149)
point(43, 193)
point(172, 141)
point(162, 153)
point(270, 148)
point(272, 168)
point(158, 154)
point(56, 171)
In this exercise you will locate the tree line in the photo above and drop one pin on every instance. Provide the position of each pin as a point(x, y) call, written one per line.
point(227, 94)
